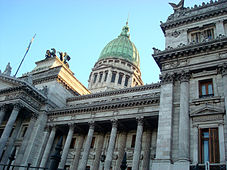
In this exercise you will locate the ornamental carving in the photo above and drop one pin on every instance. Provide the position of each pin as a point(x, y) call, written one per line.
point(114, 122)
point(184, 76)
point(167, 78)
point(175, 34)
point(140, 121)
point(223, 69)
point(208, 118)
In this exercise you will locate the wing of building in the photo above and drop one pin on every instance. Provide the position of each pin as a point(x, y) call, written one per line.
point(179, 123)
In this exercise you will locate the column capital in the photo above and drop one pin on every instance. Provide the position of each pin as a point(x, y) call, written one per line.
point(223, 69)
point(184, 76)
point(17, 106)
point(140, 120)
point(167, 78)
point(114, 122)
point(91, 124)
point(71, 125)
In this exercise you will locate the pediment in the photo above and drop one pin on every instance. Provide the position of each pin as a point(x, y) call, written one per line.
point(207, 110)
point(8, 82)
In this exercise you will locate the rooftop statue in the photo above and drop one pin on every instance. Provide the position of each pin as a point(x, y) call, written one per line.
point(50, 53)
point(64, 57)
point(177, 7)
point(7, 70)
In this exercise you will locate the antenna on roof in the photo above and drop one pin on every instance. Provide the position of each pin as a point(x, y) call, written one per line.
point(25, 54)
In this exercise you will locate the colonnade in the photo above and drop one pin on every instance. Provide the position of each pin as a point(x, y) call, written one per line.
point(82, 164)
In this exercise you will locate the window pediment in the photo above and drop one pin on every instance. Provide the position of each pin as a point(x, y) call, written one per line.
point(207, 110)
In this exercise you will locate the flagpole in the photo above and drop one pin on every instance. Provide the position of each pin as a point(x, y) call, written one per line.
point(25, 54)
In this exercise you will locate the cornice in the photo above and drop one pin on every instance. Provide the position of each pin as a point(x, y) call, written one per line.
point(186, 50)
point(190, 15)
point(110, 105)
point(115, 92)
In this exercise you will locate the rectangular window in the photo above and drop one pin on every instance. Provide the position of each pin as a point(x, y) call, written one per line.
point(206, 88)
point(208, 145)
point(120, 78)
point(196, 37)
point(129, 168)
point(126, 81)
point(106, 74)
point(133, 141)
point(87, 167)
point(73, 142)
point(24, 130)
point(95, 77)
point(113, 77)
point(93, 142)
point(209, 34)
point(100, 77)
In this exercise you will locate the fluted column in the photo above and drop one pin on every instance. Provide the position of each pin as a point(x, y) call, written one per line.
point(138, 145)
point(9, 127)
point(110, 150)
point(76, 159)
point(87, 146)
point(66, 147)
point(183, 152)
point(48, 147)
point(147, 151)
point(98, 152)
point(121, 148)
point(2, 113)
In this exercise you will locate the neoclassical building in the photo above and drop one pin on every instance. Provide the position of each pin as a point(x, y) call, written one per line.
point(178, 123)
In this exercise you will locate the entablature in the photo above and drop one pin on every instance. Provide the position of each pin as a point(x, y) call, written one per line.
point(184, 51)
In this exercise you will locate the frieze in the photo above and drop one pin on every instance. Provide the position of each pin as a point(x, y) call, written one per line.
point(208, 118)
point(207, 100)
point(93, 108)
point(189, 49)
point(116, 92)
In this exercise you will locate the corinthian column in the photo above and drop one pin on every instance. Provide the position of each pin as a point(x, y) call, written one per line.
point(2, 113)
point(87, 146)
point(110, 150)
point(48, 147)
point(9, 127)
point(138, 145)
point(66, 147)
point(183, 152)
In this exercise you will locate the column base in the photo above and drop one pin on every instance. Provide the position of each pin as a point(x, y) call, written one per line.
point(181, 164)
point(162, 165)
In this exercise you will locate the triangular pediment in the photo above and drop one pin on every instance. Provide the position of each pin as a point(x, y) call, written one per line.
point(207, 110)
point(8, 82)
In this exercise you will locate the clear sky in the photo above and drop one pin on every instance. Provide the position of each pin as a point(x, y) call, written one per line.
point(81, 28)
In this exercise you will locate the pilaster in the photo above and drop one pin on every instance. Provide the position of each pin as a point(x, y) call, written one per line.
point(76, 159)
point(164, 137)
point(121, 148)
point(98, 152)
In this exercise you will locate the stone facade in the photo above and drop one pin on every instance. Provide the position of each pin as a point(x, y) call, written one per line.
point(175, 124)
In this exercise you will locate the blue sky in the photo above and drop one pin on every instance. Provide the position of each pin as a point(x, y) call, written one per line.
point(81, 28)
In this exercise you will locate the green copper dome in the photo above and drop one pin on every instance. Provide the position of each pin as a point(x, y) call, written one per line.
point(122, 48)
